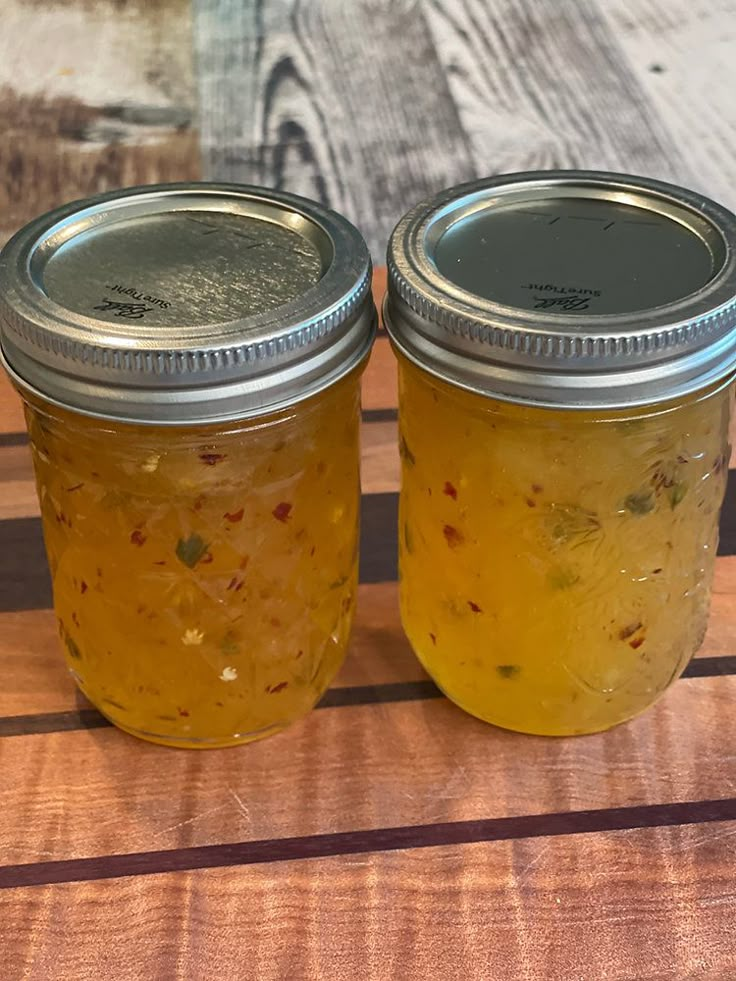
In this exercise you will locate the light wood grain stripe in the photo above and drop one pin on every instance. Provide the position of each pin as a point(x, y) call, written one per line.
point(649, 904)
point(65, 795)
point(374, 840)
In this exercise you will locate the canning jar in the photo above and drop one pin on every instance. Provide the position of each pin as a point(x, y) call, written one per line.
point(190, 358)
point(566, 349)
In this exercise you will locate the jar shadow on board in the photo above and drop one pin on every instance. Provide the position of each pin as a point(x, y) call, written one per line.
point(194, 423)
point(565, 374)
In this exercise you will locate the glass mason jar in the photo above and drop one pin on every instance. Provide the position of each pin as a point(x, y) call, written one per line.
point(566, 348)
point(190, 359)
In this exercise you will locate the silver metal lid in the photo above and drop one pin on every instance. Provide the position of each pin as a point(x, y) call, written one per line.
point(567, 288)
point(185, 303)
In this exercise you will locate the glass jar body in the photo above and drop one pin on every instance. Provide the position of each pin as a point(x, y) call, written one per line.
point(556, 565)
point(204, 578)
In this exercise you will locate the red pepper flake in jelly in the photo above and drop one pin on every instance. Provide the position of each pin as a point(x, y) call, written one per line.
point(275, 689)
point(282, 511)
point(76, 487)
point(83, 587)
point(537, 488)
point(211, 459)
point(453, 537)
point(234, 516)
point(629, 630)
point(137, 537)
point(474, 607)
point(636, 642)
point(405, 453)
point(450, 490)
point(433, 639)
point(183, 712)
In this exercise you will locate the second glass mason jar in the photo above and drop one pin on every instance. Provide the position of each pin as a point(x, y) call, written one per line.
point(190, 359)
point(566, 348)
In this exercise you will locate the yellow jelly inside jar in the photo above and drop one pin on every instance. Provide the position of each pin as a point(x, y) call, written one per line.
point(566, 347)
point(199, 496)
point(576, 551)
point(204, 579)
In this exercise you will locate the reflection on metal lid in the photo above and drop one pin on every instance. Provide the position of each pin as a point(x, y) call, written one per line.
point(184, 268)
point(185, 303)
point(567, 288)
point(575, 254)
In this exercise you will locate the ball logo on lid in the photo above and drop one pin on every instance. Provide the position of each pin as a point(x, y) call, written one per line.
point(131, 311)
point(127, 309)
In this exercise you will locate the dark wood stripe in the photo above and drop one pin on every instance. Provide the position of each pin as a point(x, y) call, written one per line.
point(24, 576)
point(451, 833)
point(380, 415)
point(727, 539)
point(13, 439)
point(90, 718)
point(379, 546)
point(399, 691)
point(45, 722)
point(24, 580)
point(710, 667)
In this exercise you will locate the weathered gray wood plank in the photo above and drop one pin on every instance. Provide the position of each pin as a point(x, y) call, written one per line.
point(683, 54)
point(542, 84)
point(93, 95)
point(343, 102)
